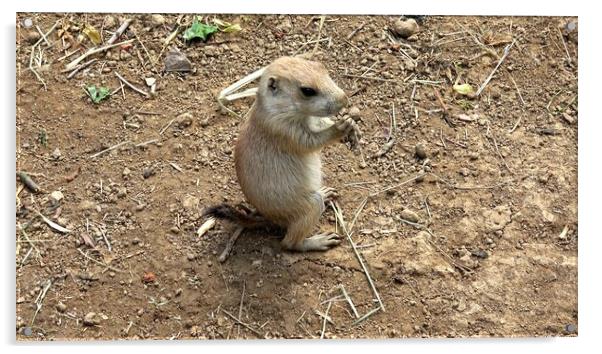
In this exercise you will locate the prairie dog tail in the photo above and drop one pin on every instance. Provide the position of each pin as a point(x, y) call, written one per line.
point(246, 219)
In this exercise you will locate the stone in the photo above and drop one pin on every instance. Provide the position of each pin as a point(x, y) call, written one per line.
point(420, 151)
point(405, 28)
point(409, 215)
point(157, 20)
point(56, 197)
point(91, 319)
point(176, 61)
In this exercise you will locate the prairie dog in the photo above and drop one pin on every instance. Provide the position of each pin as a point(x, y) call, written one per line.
point(277, 155)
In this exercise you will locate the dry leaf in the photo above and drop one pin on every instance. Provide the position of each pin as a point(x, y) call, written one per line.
point(53, 225)
point(92, 34)
point(464, 89)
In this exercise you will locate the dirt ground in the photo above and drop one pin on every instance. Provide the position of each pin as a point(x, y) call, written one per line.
point(491, 251)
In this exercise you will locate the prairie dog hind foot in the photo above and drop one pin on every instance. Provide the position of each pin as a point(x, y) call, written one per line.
point(320, 242)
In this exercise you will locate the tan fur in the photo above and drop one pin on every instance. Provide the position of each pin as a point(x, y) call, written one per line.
point(277, 154)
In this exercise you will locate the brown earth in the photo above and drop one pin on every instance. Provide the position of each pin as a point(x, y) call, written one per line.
point(488, 256)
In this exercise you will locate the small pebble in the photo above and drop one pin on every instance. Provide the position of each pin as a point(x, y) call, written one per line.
point(147, 172)
point(190, 256)
point(60, 307)
point(409, 215)
point(157, 20)
point(56, 154)
point(27, 331)
point(27, 23)
point(56, 197)
point(32, 37)
point(177, 61)
point(91, 319)
point(420, 151)
point(110, 22)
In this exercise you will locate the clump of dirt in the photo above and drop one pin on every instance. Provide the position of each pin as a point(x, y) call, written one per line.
point(482, 240)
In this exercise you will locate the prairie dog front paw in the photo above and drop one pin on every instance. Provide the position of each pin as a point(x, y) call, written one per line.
point(350, 132)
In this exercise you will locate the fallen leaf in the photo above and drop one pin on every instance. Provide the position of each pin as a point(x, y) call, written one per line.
point(92, 34)
point(97, 94)
point(464, 89)
point(227, 26)
point(53, 225)
point(199, 30)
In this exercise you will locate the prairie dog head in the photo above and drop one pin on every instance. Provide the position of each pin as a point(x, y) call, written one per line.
point(299, 87)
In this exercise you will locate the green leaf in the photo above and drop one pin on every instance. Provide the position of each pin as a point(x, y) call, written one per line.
point(199, 30)
point(227, 26)
point(464, 89)
point(97, 94)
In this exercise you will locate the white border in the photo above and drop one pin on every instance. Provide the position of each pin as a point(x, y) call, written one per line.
point(589, 177)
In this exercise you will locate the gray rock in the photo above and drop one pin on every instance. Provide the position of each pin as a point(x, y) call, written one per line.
point(176, 61)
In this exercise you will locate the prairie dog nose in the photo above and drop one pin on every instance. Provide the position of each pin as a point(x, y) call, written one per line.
point(341, 100)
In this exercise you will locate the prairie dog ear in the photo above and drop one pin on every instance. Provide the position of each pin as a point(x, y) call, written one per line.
point(273, 85)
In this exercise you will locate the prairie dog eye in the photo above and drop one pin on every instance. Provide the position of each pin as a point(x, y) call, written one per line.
point(308, 91)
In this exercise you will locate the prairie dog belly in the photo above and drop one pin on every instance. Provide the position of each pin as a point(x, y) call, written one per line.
point(278, 184)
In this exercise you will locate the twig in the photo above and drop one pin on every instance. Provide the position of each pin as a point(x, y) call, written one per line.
point(365, 317)
point(80, 67)
point(358, 211)
point(109, 149)
point(33, 49)
point(517, 90)
point(104, 237)
point(359, 28)
point(499, 154)
point(317, 45)
point(120, 31)
point(93, 51)
point(101, 263)
point(166, 126)
point(516, 124)
point(117, 89)
point(369, 78)
point(242, 297)
point(506, 51)
point(324, 321)
point(222, 258)
point(40, 300)
point(33, 246)
point(68, 55)
point(243, 324)
point(357, 315)
point(447, 256)
point(566, 49)
point(176, 167)
point(147, 142)
point(43, 35)
point(442, 140)
point(150, 58)
point(144, 93)
point(398, 185)
point(339, 216)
